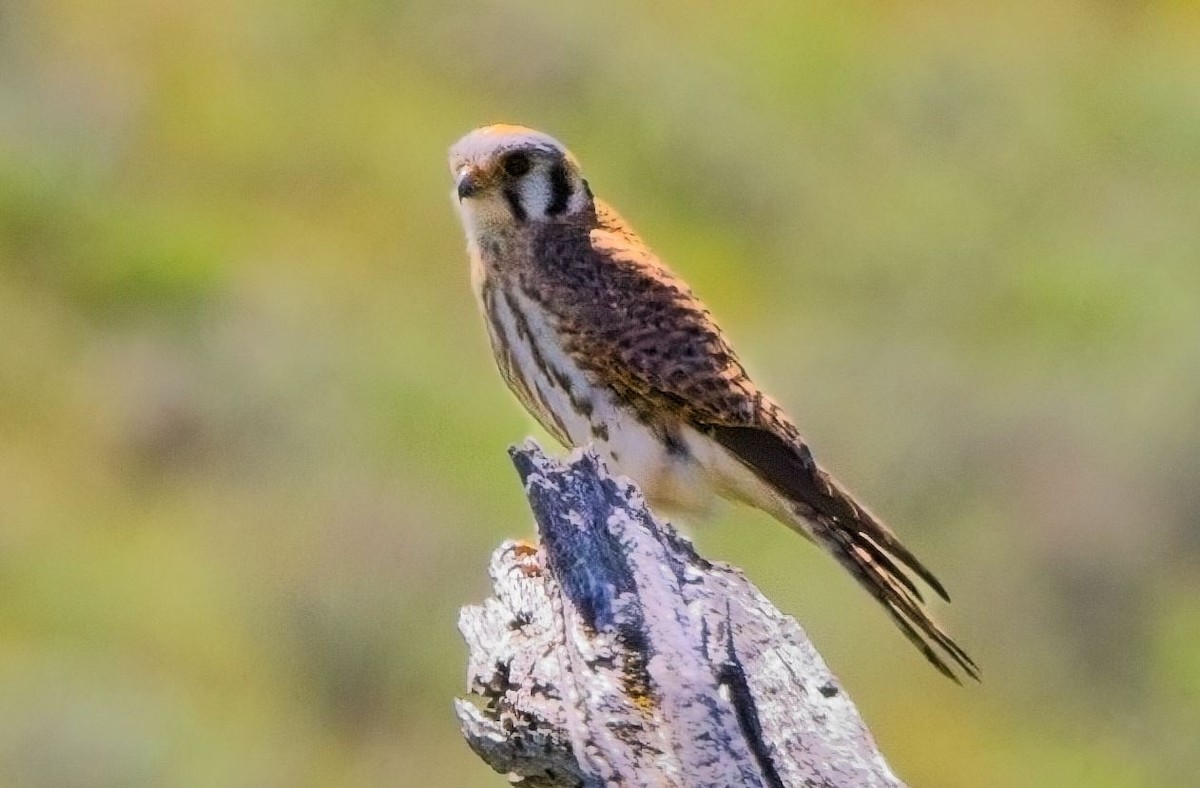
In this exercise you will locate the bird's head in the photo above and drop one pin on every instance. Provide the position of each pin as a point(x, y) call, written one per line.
point(507, 176)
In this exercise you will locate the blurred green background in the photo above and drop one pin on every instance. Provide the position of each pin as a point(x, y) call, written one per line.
point(252, 444)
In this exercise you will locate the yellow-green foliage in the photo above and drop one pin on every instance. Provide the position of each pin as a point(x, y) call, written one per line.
point(252, 444)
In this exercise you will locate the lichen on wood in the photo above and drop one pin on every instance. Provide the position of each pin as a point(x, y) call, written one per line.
point(613, 654)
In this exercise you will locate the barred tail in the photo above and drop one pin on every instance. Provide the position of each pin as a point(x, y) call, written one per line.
point(824, 511)
point(877, 572)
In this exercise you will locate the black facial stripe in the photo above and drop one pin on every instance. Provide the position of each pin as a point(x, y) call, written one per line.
point(514, 204)
point(560, 190)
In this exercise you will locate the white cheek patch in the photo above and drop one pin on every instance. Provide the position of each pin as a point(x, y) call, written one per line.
point(535, 193)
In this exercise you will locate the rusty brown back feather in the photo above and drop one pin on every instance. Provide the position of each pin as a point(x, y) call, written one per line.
point(638, 329)
point(629, 321)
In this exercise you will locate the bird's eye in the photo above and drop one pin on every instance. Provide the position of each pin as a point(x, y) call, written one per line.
point(517, 164)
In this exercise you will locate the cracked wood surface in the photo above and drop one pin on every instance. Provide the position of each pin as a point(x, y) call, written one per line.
point(613, 654)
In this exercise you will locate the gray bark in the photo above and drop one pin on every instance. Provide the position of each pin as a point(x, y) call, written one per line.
point(613, 654)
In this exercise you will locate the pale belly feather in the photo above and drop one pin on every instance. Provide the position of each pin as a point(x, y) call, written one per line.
point(685, 483)
point(680, 482)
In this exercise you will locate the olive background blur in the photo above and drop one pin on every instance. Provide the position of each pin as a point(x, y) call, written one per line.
point(252, 443)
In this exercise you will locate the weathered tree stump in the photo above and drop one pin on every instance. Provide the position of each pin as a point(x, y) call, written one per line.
point(613, 654)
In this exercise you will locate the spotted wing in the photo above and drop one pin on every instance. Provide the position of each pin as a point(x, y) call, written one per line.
point(628, 321)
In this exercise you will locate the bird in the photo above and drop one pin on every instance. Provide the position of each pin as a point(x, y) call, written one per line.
point(605, 345)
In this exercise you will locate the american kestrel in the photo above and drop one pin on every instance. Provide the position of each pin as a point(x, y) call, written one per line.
point(603, 344)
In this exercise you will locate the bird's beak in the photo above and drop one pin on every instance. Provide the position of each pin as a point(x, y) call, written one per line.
point(468, 184)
